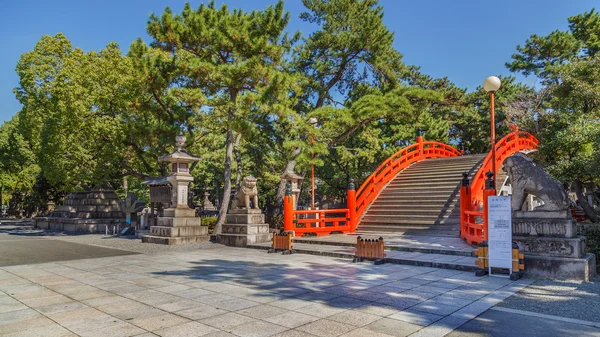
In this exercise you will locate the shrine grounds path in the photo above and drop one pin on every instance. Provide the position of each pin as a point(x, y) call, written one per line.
point(210, 290)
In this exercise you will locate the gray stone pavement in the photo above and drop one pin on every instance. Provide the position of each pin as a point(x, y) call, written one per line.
point(58, 245)
point(24, 249)
point(503, 324)
point(565, 299)
point(240, 292)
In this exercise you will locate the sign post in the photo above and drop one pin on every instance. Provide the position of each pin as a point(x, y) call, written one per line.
point(500, 234)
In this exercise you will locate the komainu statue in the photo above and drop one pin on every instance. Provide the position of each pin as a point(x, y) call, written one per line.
point(243, 196)
point(526, 178)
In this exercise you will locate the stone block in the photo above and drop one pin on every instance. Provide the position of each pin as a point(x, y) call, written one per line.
point(246, 218)
point(178, 231)
point(179, 212)
point(178, 222)
point(65, 208)
point(551, 246)
point(106, 208)
point(55, 226)
point(41, 223)
point(559, 268)
point(245, 211)
point(542, 214)
point(84, 208)
point(70, 227)
point(175, 240)
point(85, 215)
point(242, 229)
point(548, 227)
point(243, 240)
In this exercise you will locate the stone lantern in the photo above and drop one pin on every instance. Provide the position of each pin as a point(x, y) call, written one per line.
point(179, 223)
point(180, 178)
point(296, 181)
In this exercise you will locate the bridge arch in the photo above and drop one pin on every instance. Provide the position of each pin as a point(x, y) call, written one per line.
point(473, 219)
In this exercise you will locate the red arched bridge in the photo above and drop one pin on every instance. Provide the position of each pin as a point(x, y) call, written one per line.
point(425, 188)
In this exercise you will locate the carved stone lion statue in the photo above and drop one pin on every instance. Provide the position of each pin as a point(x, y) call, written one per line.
point(242, 197)
point(526, 178)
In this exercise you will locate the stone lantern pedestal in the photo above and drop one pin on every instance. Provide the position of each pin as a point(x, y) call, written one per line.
point(244, 227)
point(179, 223)
point(245, 223)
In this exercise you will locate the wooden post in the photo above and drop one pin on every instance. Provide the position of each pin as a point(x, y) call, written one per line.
point(288, 208)
point(352, 206)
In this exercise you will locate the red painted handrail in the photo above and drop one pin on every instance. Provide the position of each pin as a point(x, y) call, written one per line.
point(317, 222)
point(512, 143)
point(399, 161)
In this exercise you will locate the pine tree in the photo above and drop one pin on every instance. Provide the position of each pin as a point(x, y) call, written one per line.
point(225, 56)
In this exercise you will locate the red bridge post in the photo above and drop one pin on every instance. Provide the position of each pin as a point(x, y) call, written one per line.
point(353, 221)
point(420, 142)
point(288, 208)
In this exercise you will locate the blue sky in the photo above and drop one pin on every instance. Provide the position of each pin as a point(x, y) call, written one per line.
point(465, 40)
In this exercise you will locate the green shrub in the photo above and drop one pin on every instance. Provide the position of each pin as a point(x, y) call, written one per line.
point(592, 232)
point(209, 221)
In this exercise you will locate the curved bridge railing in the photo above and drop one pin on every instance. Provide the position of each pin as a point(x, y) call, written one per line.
point(323, 222)
point(473, 196)
point(372, 186)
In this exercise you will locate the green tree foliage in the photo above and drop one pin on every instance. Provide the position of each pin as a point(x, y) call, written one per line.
point(471, 120)
point(73, 108)
point(568, 64)
point(18, 165)
point(228, 60)
point(243, 92)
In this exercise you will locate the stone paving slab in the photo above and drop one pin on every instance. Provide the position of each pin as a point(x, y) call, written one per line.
point(418, 243)
point(578, 300)
point(496, 323)
point(17, 250)
point(240, 292)
point(457, 262)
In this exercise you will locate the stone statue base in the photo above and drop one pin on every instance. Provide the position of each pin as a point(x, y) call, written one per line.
point(178, 226)
point(94, 211)
point(551, 246)
point(243, 227)
point(560, 268)
point(544, 223)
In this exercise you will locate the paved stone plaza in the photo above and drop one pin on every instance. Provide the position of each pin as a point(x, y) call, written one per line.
point(239, 292)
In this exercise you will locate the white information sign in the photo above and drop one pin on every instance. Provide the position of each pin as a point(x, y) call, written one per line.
point(500, 233)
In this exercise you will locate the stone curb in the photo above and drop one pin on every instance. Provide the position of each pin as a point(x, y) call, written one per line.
point(393, 248)
point(551, 317)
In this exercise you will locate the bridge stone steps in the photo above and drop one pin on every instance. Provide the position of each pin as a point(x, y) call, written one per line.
point(414, 229)
point(422, 199)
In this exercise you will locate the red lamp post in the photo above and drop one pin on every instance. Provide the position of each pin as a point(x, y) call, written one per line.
point(491, 85)
point(313, 122)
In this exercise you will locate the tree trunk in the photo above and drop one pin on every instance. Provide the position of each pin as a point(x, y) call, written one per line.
point(589, 210)
point(227, 171)
point(238, 161)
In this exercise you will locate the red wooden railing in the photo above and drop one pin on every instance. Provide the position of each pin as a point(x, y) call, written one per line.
point(319, 222)
point(323, 222)
point(399, 161)
point(473, 198)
